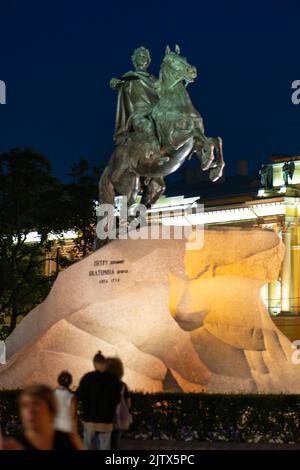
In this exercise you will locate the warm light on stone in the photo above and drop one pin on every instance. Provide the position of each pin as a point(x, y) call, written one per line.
point(192, 319)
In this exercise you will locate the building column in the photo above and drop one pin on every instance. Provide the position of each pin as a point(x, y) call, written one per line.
point(274, 287)
point(274, 298)
point(295, 268)
point(286, 271)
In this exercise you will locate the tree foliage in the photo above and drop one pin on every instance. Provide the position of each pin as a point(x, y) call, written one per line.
point(82, 194)
point(32, 200)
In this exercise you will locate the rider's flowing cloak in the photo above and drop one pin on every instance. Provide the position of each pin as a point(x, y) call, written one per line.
point(137, 96)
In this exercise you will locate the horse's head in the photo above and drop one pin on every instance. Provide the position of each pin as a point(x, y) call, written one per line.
point(175, 68)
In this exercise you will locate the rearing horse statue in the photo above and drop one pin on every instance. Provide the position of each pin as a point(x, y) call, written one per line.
point(142, 159)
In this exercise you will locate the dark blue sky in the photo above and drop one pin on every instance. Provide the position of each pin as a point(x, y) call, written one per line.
point(57, 58)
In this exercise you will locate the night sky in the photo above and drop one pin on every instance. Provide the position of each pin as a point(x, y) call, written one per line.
point(57, 58)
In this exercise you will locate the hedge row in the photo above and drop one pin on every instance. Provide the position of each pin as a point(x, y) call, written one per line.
point(239, 418)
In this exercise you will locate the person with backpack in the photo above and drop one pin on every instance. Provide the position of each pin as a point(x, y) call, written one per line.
point(123, 417)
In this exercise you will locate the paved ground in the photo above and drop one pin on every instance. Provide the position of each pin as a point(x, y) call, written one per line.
point(197, 445)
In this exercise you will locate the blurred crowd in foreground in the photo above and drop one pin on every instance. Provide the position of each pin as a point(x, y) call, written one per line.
point(49, 417)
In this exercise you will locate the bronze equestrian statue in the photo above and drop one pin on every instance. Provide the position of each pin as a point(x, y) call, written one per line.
point(157, 130)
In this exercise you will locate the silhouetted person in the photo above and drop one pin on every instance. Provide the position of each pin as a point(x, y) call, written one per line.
point(123, 418)
point(99, 393)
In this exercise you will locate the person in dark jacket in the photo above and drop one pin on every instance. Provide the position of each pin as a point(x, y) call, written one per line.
point(99, 393)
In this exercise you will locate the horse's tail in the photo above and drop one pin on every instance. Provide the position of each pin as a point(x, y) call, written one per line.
point(106, 188)
point(106, 196)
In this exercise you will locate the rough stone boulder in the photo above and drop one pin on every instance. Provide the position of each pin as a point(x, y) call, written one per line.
point(179, 318)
